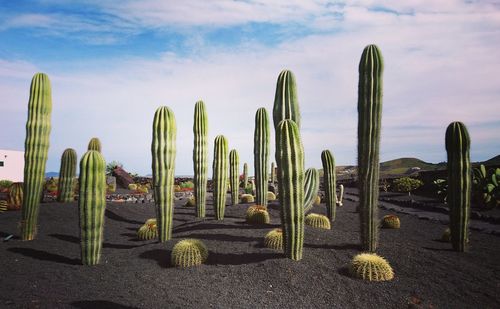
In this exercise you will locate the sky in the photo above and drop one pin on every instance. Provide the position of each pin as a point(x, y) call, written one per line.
point(111, 66)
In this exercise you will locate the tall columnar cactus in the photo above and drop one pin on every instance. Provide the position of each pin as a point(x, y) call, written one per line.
point(273, 173)
point(290, 159)
point(67, 173)
point(92, 205)
point(94, 144)
point(36, 147)
point(163, 152)
point(200, 157)
point(369, 124)
point(311, 188)
point(219, 177)
point(286, 105)
point(459, 183)
point(329, 183)
point(245, 175)
point(261, 155)
point(234, 176)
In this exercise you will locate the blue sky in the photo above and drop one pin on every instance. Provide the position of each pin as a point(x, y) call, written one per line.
point(111, 66)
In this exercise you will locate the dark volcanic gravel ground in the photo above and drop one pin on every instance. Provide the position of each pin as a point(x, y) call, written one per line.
point(240, 272)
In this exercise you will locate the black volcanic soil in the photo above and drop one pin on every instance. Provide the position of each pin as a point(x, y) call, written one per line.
point(240, 272)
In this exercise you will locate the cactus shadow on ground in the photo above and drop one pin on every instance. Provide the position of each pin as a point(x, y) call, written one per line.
point(161, 256)
point(45, 256)
point(113, 216)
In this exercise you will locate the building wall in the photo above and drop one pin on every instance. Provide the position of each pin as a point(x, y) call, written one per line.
point(11, 165)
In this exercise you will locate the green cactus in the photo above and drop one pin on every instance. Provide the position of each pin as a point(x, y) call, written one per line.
point(318, 221)
point(311, 188)
point(286, 105)
point(94, 144)
point(247, 198)
point(257, 215)
point(92, 205)
point(3, 206)
point(391, 222)
point(290, 159)
point(273, 173)
point(271, 196)
point(15, 196)
point(234, 176)
point(274, 239)
point(219, 177)
point(245, 175)
point(200, 157)
point(459, 183)
point(261, 155)
point(371, 267)
point(191, 202)
point(369, 125)
point(163, 151)
point(67, 175)
point(36, 148)
point(148, 231)
point(189, 252)
point(329, 183)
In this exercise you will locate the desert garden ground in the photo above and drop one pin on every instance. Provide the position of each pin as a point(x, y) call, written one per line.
point(240, 272)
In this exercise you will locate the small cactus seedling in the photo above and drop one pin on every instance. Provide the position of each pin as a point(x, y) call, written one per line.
point(271, 196)
point(274, 239)
point(189, 252)
point(371, 267)
point(3, 206)
point(191, 202)
point(446, 237)
point(391, 222)
point(318, 221)
point(15, 196)
point(247, 198)
point(257, 215)
point(148, 231)
point(317, 201)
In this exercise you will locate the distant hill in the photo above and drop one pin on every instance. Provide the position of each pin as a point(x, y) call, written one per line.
point(51, 174)
point(407, 166)
point(492, 161)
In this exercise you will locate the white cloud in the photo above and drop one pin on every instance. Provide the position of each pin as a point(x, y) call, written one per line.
point(440, 66)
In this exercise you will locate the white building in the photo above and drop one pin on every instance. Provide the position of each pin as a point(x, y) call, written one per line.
point(11, 165)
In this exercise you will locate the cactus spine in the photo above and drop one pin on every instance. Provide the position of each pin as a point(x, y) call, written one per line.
point(459, 183)
point(245, 175)
point(234, 176)
point(311, 187)
point(329, 183)
point(261, 155)
point(36, 147)
point(200, 157)
point(163, 152)
point(92, 205)
point(290, 159)
point(94, 144)
point(219, 177)
point(369, 123)
point(67, 173)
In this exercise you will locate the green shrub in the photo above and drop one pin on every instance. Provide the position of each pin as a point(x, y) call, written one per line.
point(5, 183)
point(406, 184)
